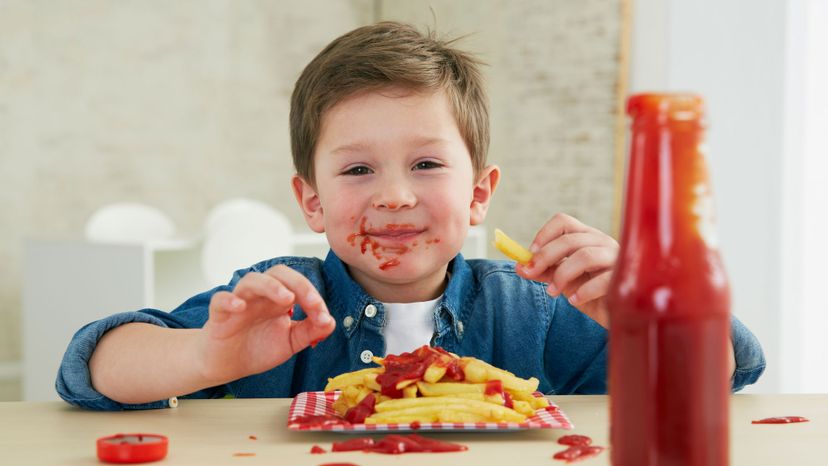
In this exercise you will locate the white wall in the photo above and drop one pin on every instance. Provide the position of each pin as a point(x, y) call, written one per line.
point(731, 52)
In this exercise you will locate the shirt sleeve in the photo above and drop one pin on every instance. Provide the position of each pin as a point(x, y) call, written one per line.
point(74, 382)
point(750, 359)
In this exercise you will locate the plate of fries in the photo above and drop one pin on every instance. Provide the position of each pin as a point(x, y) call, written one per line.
point(428, 389)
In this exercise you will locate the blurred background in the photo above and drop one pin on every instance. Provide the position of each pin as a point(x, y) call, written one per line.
point(175, 113)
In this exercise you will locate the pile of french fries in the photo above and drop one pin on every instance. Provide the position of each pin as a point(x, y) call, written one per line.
point(485, 394)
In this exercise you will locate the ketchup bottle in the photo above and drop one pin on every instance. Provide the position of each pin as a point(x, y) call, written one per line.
point(669, 299)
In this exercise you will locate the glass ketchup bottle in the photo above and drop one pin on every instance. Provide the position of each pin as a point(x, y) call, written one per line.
point(669, 299)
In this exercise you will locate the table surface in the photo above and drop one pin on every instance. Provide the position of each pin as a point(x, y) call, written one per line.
point(206, 432)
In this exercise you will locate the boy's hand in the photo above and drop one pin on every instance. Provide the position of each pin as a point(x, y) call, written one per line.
point(575, 260)
point(250, 331)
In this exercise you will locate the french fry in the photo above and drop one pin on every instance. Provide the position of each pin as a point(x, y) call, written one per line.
point(490, 411)
point(511, 248)
point(410, 391)
point(523, 407)
point(475, 370)
point(479, 371)
point(370, 381)
point(534, 402)
point(349, 378)
point(434, 373)
point(449, 388)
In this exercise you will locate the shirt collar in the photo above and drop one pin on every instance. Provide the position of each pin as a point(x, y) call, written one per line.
point(346, 298)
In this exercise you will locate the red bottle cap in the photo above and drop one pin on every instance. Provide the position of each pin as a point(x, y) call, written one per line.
point(132, 448)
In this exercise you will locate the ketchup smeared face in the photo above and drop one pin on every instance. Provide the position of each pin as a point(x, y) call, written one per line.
point(393, 177)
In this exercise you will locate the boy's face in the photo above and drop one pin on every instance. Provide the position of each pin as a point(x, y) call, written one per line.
point(395, 190)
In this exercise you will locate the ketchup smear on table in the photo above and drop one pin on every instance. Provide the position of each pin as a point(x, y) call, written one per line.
point(575, 440)
point(395, 444)
point(577, 453)
point(412, 366)
point(781, 420)
point(320, 421)
point(579, 449)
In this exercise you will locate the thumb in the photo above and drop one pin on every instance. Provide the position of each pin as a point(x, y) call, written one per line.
point(306, 332)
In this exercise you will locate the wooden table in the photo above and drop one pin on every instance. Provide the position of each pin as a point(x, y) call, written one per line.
point(207, 432)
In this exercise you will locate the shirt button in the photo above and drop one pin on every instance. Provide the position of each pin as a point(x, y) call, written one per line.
point(366, 356)
point(348, 321)
point(370, 311)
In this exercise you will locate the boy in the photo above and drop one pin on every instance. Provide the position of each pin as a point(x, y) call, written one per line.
point(389, 132)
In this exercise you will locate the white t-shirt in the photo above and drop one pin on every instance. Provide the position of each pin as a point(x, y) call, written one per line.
point(409, 326)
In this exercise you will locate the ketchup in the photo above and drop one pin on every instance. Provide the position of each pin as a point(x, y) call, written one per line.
point(577, 453)
point(575, 440)
point(363, 409)
point(412, 366)
point(320, 420)
point(395, 444)
point(780, 420)
point(668, 300)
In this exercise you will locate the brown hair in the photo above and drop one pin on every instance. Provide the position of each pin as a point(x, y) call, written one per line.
point(382, 55)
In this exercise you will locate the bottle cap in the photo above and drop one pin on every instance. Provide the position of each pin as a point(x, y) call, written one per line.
point(666, 107)
point(132, 448)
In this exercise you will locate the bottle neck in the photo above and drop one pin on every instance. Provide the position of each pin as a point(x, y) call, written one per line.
point(668, 202)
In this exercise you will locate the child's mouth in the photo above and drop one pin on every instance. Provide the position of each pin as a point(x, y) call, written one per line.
point(402, 234)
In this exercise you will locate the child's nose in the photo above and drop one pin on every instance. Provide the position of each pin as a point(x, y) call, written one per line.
point(394, 195)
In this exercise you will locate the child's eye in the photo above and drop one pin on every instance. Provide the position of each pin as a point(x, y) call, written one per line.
point(427, 165)
point(358, 171)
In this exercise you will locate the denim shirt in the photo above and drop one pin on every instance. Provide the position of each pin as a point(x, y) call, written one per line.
point(487, 311)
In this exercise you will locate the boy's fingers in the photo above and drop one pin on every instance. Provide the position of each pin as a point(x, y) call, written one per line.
point(558, 225)
point(305, 293)
point(261, 285)
point(593, 289)
point(591, 260)
point(304, 333)
point(223, 303)
point(552, 253)
point(222, 306)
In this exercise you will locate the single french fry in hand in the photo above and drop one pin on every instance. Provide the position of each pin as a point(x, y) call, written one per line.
point(511, 248)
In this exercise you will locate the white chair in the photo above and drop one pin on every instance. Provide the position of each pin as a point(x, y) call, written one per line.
point(239, 233)
point(129, 223)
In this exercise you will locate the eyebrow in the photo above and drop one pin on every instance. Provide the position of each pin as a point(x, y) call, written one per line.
point(417, 142)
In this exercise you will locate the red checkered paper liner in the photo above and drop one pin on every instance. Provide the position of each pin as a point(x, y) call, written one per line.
point(321, 404)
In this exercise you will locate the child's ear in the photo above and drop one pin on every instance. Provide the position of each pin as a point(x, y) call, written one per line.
point(308, 200)
point(483, 191)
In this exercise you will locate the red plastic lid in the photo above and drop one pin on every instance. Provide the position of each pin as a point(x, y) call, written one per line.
point(132, 448)
point(666, 107)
